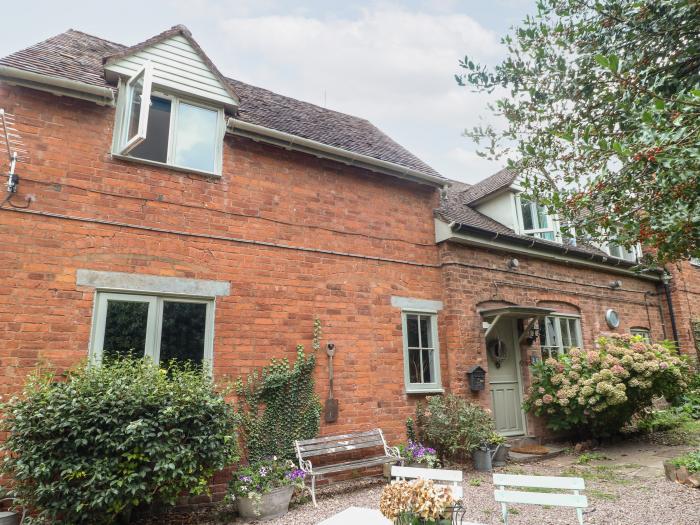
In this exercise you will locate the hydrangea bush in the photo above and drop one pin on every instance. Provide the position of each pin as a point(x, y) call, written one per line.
point(417, 502)
point(598, 391)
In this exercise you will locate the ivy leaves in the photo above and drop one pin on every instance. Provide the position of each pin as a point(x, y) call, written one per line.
point(603, 117)
point(278, 404)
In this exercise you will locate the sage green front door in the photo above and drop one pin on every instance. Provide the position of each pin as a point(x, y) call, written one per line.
point(504, 379)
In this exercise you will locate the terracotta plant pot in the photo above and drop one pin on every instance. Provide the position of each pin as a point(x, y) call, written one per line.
point(272, 505)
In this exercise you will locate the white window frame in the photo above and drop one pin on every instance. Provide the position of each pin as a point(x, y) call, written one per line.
point(154, 324)
point(547, 348)
point(644, 332)
point(535, 232)
point(421, 388)
point(122, 146)
point(695, 261)
point(630, 255)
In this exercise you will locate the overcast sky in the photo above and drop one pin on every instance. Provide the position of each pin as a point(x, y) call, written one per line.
point(390, 62)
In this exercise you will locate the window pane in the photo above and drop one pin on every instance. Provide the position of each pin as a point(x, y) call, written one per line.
point(527, 215)
point(182, 336)
point(155, 147)
point(542, 217)
point(566, 339)
point(196, 137)
point(125, 328)
point(546, 235)
point(414, 366)
point(412, 331)
point(426, 339)
point(428, 375)
point(135, 108)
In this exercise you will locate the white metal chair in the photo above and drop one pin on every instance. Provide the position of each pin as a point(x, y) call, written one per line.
point(504, 495)
point(448, 478)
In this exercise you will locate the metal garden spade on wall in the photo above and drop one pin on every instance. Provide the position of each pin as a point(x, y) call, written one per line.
point(331, 408)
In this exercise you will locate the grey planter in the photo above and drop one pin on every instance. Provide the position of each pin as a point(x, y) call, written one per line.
point(272, 505)
point(483, 459)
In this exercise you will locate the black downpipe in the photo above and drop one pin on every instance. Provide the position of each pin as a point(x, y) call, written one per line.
point(674, 328)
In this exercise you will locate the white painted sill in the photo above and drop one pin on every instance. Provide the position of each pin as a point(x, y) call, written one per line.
point(157, 164)
point(430, 390)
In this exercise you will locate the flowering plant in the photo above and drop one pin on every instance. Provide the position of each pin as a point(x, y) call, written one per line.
point(598, 391)
point(415, 452)
point(262, 477)
point(417, 502)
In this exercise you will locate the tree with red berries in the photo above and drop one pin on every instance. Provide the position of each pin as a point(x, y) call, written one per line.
point(602, 114)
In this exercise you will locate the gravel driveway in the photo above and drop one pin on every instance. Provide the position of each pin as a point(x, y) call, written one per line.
point(620, 492)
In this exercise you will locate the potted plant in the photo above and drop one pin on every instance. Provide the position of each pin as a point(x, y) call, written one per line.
point(491, 449)
point(264, 489)
point(416, 454)
point(417, 502)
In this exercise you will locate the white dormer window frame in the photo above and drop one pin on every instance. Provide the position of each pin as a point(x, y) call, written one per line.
point(550, 232)
point(132, 130)
point(620, 252)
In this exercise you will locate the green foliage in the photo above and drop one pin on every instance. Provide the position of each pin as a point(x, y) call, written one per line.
point(102, 441)
point(264, 476)
point(454, 426)
point(602, 104)
point(586, 457)
point(410, 429)
point(599, 391)
point(279, 405)
point(689, 401)
point(690, 461)
point(662, 420)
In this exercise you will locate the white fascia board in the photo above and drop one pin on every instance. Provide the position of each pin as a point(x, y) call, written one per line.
point(443, 232)
point(57, 86)
point(294, 142)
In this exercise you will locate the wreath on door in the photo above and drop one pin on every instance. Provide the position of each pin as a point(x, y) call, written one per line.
point(498, 351)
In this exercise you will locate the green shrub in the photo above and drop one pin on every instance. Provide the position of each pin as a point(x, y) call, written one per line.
point(662, 420)
point(690, 461)
point(689, 401)
point(105, 440)
point(597, 392)
point(279, 405)
point(454, 426)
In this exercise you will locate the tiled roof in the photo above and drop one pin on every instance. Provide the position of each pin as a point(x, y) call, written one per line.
point(77, 56)
point(458, 206)
point(489, 185)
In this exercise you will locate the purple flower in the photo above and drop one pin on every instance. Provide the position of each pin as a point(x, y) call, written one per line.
point(245, 479)
point(296, 474)
point(263, 471)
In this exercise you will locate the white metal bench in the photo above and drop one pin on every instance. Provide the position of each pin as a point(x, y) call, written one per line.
point(328, 446)
point(449, 478)
point(504, 495)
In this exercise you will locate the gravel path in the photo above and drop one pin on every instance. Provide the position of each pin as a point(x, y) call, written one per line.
point(615, 498)
point(617, 494)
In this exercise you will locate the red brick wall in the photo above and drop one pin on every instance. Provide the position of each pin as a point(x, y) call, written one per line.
point(478, 278)
point(129, 217)
point(685, 290)
point(296, 237)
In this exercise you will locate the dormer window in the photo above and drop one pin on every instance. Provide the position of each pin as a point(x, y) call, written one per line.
point(626, 254)
point(168, 130)
point(536, 222)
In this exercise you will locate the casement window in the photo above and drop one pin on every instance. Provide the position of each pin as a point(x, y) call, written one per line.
point(627, 254)
point(643, 332)
point(535, 221)
point(163, 328)
point(559, 333)
point(421, 352)
point(167, 129)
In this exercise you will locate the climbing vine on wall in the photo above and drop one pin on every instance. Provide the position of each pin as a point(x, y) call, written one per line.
point(278, 404)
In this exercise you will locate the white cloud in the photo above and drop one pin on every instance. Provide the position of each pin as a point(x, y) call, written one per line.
point(390, 65)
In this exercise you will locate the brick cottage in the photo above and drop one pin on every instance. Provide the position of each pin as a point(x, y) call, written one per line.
point(217, 221)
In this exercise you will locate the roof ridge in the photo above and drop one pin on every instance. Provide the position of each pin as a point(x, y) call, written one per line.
point(91, 36)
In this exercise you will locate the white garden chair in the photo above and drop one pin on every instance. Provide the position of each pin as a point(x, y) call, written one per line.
point(504, 495)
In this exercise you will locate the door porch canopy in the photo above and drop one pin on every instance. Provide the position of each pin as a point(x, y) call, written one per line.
point(492, 316)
